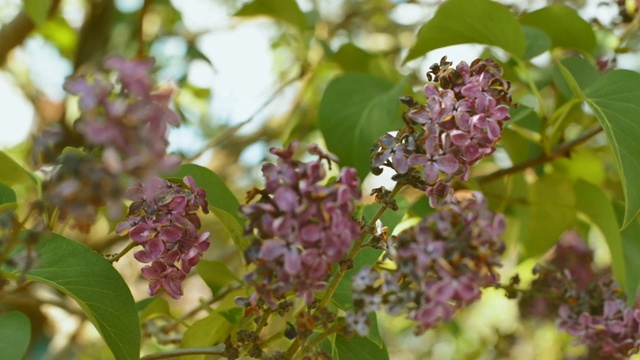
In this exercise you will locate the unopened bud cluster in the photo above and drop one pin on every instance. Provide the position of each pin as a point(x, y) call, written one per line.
point(459, 124)
point(441, 265)
point(163, 219)
point(301, 227)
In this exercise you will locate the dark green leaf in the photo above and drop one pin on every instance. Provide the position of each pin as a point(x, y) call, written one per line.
point(12, 173)
point(631, 251)
point(38, 10)
point(553, 211)
point(525, 117)
point(15, 334)
point(374, 331)
point(594, 203)
point(537, 42)
point(470, 21)
point(216, 274)
point(564, 26)
point(582, 72)
point(7, 195)
point(208, 331)
point(285, 10)
point(222, 202)
point(356, 110)
point(615, 99)
point(95, 285)
point(358, 348)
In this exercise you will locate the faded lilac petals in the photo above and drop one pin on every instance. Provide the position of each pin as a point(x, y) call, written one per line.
point(162, 219)
point(300, 227)
point(458, 125)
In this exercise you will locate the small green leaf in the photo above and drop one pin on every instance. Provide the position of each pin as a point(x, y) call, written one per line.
point(95, 285)
point(216, 274)
point(15, 335)
point(7, 195)
point(38, 10)
point(12, 173)
point(537, 42)
point(582, 72)
point(564, 26)
point(358, 348)
point(355, 111)
point(470, 21)
point(153, 307)
point(552, 212)
point(285, 10)
point(594, 203)
point(222, 202)
point(208, 331)
point(615, 100)
point(374, 331)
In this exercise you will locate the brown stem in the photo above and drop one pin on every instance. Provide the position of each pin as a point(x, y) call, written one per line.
point(16, 31)
point(183, 352)
point(558, 151)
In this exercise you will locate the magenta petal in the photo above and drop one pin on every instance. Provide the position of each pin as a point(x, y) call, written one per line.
point(292, 262)
point(459, 137)
point(170, 234)
point(471, 151)
point(431, 90)
point(494, 130)
point(141, 233)
point(286, 199)
point(272, 249)
point(173, 287)
point(400, 163)
point(447, 164)
point(501, 112)
point(155, 247)
point(143, 256)
point(311, 233)
point(418, 160)
point(431, 172)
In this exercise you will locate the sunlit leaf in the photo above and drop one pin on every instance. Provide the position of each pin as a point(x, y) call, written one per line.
point(594, 203)
point(222, 202)
point(358, 348)
point(12, 173)
point(583, 72)
point(470, 21)
point(537, 42)
point(357, 109)
point(95, 285)
point(38, 10)
point(285, 10)
point(208, 331)
point(216, 274)
point(552, 212)
point(615, 100)
point(152, 307)
point(15, 334)
point(564, 26)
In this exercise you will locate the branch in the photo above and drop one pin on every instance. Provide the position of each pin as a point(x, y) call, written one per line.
point(184, 352)
point(15, 32)
point(558, 151)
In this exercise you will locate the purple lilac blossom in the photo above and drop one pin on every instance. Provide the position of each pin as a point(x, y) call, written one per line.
point(300, 226)
point(459, 124)
point(442, 264)
point(163, 219)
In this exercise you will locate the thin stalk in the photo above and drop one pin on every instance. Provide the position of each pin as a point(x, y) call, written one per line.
point(123, 252)
point(184, 352)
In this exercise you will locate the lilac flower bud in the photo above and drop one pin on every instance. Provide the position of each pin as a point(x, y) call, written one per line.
point(300, 227)
point(459, 124)
point(162, 219)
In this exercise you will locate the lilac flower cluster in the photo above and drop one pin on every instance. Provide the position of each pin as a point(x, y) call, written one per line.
point(590, 305)
point(442, 263)
point(126, 124)
point(459, 125)
point(128, 120)
point(163, 219)
point(300, 226)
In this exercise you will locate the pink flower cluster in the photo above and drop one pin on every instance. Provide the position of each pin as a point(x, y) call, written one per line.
point(300, 226)
point(442, 263)
point(129, 120)
point(459, 125)
point(163, 219)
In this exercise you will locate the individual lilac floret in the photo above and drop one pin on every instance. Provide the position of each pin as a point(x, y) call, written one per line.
point(300, 226)
point(129, 120)
point(442, 264)
point(163, 219)
point(459, 124)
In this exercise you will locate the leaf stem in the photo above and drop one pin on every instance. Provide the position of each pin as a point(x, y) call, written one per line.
point(123, 252)
point(556, 152)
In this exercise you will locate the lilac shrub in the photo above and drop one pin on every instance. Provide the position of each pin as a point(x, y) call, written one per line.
point(163, 219)
point(441, 265)
point(300, 226)
point(459, 124)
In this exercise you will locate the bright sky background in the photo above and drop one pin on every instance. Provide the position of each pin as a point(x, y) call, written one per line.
point(242, 77)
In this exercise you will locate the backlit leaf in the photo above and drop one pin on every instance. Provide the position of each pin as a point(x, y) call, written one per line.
point(564, 26)
point(15, 334)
